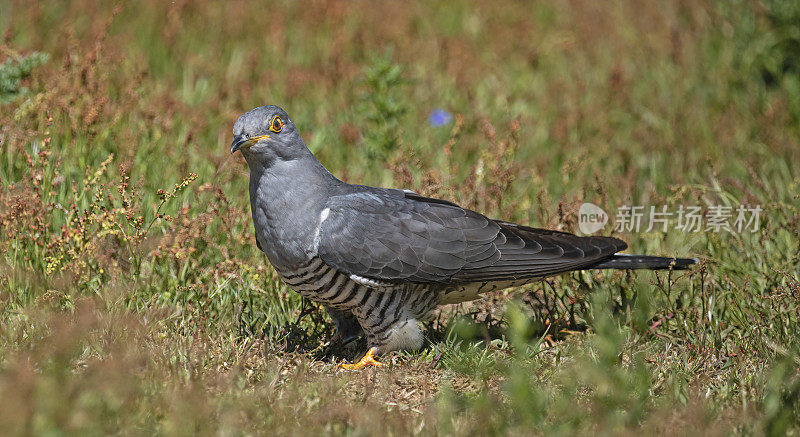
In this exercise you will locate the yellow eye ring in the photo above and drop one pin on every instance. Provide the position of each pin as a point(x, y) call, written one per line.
point(276, 125)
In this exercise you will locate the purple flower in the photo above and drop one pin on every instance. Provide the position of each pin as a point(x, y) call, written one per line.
point(439, 117)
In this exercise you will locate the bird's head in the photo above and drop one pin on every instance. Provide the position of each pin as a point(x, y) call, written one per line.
point(267, 132)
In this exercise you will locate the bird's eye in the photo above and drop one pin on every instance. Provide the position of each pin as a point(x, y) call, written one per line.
point(276, 125)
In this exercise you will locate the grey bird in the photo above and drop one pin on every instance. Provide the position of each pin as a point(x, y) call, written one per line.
point(381, 260)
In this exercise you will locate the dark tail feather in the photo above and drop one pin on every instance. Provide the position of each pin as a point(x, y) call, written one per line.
point(627, 262)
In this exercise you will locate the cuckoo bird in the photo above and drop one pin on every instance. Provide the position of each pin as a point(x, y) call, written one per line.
point(381, 260)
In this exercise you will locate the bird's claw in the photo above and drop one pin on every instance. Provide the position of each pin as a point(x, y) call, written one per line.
point(368, 360)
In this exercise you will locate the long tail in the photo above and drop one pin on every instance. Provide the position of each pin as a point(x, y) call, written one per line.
point(628, 262)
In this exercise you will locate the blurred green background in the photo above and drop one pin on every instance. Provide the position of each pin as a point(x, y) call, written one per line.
point(133, 299)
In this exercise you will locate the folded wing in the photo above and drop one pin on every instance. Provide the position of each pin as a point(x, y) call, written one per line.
point(397, 236)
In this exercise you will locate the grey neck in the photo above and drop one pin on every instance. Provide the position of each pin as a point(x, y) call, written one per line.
point(287, 198)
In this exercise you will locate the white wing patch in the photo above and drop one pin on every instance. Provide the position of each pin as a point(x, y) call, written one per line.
point(369, 282)
point(322, 216)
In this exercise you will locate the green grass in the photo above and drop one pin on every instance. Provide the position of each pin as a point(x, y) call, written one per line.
point(133, 299)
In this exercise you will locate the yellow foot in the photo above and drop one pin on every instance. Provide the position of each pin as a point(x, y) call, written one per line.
point(368, 360)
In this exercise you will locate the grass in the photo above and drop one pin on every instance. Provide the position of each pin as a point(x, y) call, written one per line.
point(133, 299)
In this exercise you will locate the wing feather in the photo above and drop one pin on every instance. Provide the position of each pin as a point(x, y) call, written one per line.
point(391, 235)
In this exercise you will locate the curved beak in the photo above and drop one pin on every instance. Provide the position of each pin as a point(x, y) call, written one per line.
point(240, 141)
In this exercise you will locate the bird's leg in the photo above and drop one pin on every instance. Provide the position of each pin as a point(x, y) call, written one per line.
point(347, 327)
point(385, 334)
point(368, 360)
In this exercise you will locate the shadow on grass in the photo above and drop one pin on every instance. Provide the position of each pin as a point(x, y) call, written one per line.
point(312, 334)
